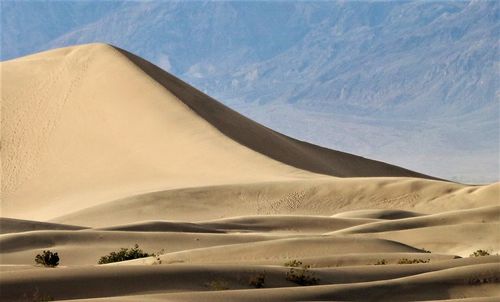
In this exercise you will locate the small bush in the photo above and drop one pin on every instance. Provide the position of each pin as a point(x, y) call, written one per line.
point(293, 263)
point(302, 276)
point(123, 255)
point(479, 253)
point(412, 261)
point(47, 259)
point(258, 280)
point(381, 262)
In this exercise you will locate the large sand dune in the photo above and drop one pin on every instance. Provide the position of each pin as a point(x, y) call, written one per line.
point(102, 150)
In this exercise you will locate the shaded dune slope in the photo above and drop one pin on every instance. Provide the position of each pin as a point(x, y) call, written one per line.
point(275, 145)
point(479, 215)
point(10, 225)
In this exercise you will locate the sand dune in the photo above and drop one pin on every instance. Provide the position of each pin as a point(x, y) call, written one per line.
point(378, 214)
point(86, 247)
point(247, 224)
point(102, 150)
point(479, 215)
point(283, 224)
point(353, 284)
point(10, 225)
point(163, 226)
point(450, 283)
point(460, 239)
point(305, 197)
point(97, 109)
point(281, 250)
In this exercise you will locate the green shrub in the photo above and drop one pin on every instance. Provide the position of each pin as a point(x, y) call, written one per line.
point(412, 261)
point(123, 255)
point(293, 263)
point(258, 280)
point(47, 259)
point(479, 253)
point(302, 276)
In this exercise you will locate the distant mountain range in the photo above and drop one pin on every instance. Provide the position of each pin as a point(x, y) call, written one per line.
point(412, 83)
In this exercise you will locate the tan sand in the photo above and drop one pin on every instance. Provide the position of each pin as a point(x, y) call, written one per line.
point(102, 150)
point(10, 225)
point(307, 197)
point(357, 283)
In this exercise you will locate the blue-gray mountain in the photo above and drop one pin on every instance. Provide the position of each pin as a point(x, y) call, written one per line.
point(412, 83)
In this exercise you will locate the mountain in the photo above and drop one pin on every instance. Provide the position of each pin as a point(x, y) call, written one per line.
point(357, 76)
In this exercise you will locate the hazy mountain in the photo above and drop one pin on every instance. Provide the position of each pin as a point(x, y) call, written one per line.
point(396, 81)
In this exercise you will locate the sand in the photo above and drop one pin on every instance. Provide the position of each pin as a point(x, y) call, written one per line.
point(102, 150)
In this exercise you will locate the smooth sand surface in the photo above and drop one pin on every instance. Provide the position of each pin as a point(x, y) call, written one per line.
point(308, 197)
point(102, 150)
point(197, 283)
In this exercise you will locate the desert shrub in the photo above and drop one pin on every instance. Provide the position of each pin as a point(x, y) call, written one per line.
point(302, 276)
point(412, 261)
point(479, 253)
point(218, 285)
point(258, 280)
point(425, 251)
point(123, 255)
point(293, 263)
point(381, 262)
point(47, 259)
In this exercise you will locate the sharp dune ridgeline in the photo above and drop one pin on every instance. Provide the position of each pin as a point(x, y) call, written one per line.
point(102, 150)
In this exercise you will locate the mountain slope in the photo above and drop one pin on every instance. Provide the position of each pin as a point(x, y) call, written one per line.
point(88, 124)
